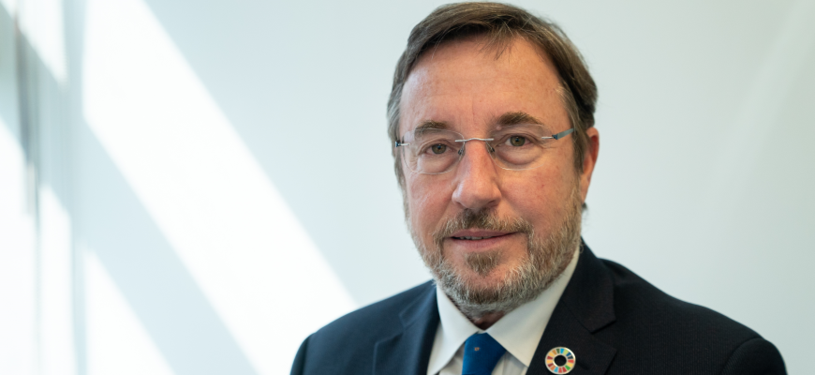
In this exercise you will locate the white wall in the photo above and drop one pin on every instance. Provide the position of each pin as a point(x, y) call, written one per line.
point(218, 173)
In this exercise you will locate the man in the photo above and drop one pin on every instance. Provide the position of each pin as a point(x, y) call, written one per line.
point(491, 118)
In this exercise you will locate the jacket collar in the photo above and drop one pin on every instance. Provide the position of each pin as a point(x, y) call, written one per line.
point(408, 352)
point(587, 306)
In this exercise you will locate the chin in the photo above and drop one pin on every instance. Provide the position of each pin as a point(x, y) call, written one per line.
point(485, 283)
point(491, 279)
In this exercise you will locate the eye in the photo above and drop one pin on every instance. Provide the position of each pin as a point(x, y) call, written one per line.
point(438, 148)
point(517, 140)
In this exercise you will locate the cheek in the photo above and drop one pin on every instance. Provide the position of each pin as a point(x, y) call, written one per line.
point(540, 197)
point(427, 203)
point(528, 197)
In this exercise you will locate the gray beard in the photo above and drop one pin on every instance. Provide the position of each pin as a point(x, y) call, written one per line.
point(546, 260)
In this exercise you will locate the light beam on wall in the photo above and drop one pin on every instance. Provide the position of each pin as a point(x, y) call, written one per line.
point(198, 181)
point(56, 333)
point(17, 267)
point(116, 340)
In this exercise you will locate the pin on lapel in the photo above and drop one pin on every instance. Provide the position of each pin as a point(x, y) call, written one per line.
point(560, 360)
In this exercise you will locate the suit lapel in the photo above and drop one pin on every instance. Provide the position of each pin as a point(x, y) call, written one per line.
point(586, 306)
point(408, 352)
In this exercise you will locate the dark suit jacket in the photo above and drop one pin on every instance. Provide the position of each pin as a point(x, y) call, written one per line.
point(614, 321)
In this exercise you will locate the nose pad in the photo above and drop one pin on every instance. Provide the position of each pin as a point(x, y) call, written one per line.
point(490, 149)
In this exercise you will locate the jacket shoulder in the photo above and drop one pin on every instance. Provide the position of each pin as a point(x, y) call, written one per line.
point(637, 300)
point(672, 333)
point(348, 342)
point(376, 317)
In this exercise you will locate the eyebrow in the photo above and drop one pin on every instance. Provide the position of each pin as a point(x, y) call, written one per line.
point(430, 124)
point(517, 118)
point(507, 119)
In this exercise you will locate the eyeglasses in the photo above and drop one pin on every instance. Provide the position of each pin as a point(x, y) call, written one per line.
point(514, 148)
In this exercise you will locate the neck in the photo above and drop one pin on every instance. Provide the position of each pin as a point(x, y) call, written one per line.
point(486, 320)
point(478, 316)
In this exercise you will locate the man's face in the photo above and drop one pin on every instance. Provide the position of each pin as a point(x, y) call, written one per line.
point(506, 212)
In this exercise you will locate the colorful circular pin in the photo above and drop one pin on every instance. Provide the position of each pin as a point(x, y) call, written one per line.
point(560, 360)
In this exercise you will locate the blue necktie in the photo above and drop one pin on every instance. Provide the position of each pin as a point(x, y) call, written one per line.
point(481, 354)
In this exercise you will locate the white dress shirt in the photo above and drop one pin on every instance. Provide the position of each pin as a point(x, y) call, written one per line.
point(518, 332)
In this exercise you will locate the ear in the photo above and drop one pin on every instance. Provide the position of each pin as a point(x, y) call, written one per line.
point(589, 160)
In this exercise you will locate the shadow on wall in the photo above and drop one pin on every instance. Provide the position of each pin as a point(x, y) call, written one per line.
point(9, 107)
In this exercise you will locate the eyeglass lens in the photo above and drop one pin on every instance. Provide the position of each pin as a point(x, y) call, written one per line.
point(434, 151)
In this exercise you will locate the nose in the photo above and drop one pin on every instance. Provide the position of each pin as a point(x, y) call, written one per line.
point(477, 184)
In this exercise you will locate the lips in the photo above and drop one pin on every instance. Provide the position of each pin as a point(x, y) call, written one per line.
point(475, 235)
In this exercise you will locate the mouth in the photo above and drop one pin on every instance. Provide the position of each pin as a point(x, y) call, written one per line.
point(477, 235)
point(472, 238)
point(477, 241)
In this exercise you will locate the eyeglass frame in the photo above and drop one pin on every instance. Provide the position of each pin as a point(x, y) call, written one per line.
point(486, 141)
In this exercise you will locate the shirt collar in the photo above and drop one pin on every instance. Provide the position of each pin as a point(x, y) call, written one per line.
point(518, 332)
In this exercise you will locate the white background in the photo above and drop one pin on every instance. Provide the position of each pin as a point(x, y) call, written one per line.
point(214, 179)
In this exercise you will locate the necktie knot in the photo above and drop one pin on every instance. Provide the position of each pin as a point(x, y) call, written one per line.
point(481, 354)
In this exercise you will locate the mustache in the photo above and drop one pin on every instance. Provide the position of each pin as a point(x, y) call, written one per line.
point(481, 219)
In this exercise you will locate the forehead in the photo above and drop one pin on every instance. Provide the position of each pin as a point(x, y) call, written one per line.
point(469, 87)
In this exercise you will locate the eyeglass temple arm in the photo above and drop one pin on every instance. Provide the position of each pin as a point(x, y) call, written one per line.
point(560, 135)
